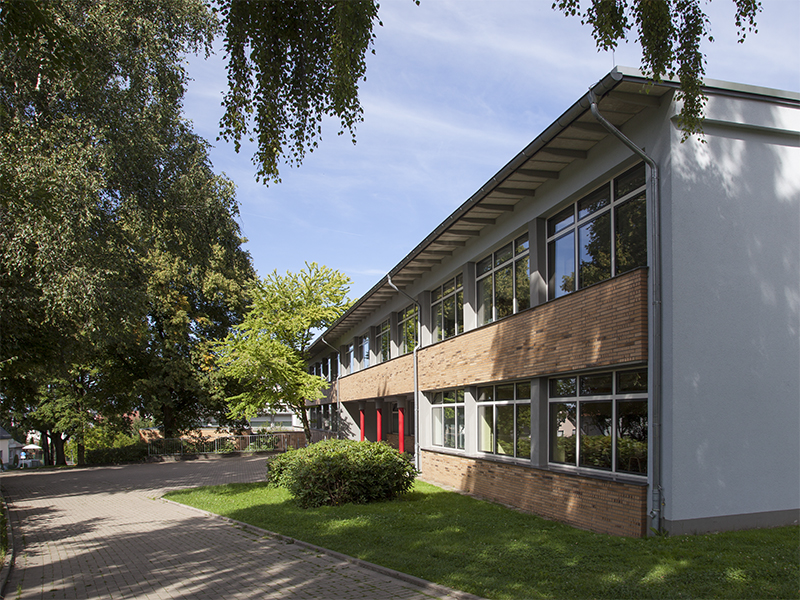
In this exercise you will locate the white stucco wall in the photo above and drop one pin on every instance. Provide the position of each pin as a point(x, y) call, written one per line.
point(731, 239)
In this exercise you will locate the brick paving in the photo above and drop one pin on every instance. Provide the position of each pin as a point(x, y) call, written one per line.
point(104, 533)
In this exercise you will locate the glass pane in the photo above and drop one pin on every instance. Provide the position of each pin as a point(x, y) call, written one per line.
point(594, 201)
point(486, 394)
point(523, 430)
point(437, 331)
point(459, 312)
point(631, 234)
point(563, 387)
point(449, 317)
point(504, 254)
point(632, 382)
point(632, 436)
point(449, 396)
point(595, 251)
point(630, 180)
point(449, 427)
point(485, 301)
point(365, 351)
point(450, 287)
point(505, 429)
point(504, 292)
point(562, 220)
point(436, 294)
point(596, 385)
point(521, 245)
point(437, 398)
point(561, 257)
point(460, 428)
point(485, 428)
point(459, 281)
point(505, 392)
point(524, 390)
point(437, 426)
point(596, 422)
point(563, 432)
point(460, 396)
point(522, 285)
point(483, 266)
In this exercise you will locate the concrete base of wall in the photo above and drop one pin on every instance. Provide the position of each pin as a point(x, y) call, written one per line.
point(617, 508)
point(777, 518)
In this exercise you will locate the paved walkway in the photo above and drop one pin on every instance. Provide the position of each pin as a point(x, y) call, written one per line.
point(103, 533)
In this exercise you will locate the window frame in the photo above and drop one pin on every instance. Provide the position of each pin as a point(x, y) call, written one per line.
point(440, 401)
point(407, 321)
point(568, 222)
point(519, 251)
point(383, 342)
point(582, 398)
point(452, 289)
point(495, 403)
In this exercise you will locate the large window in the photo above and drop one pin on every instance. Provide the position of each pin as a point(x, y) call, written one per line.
point(447, 309)
point(364, 350)
point(383, 342)
point(503, 282)
point(581, 235)
point(504, 419)
point(407, 329)
point(599, 421)
point(447, 423)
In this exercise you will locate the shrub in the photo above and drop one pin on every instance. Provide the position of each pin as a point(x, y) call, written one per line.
point(114, 456)
point(334, 472)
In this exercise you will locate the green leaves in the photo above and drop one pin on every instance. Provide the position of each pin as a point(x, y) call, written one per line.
point(670, 33)
point(266, 353)
point(290, 64)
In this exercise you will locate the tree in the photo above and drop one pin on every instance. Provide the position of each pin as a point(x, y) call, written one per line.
point(267, 352)
point(670, 33)
point(120, 251)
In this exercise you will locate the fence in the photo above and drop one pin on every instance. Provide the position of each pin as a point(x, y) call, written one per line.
point(269, 442)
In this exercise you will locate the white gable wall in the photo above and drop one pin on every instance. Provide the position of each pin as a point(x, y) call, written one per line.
point(731, 239)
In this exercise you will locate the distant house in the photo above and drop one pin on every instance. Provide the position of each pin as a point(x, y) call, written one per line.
point(9, 448)
point(609, 329)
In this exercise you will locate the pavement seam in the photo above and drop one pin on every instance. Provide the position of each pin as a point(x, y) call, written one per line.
point(439, 590)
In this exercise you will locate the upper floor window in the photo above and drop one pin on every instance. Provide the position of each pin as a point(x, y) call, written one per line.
point(447, 309)
point(383, 342)
point(503, 282)
point(581, 235)
point(364, 351)
point(599, 421)
point(407, 329)
point(350, 359)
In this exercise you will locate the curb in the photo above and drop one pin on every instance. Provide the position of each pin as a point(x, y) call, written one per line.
point(435, 589)
point(8, 564)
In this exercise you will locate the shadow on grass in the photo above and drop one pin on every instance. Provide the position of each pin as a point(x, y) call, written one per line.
point(496, 552)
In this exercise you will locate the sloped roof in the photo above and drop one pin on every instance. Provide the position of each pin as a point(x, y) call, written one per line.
point(622, 94)
point(4, 435)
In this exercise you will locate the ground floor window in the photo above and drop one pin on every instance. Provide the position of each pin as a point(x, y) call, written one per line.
point(600, 421)
point(504, 419)
point(321, 417)
point(447, 419)
point(409, 419)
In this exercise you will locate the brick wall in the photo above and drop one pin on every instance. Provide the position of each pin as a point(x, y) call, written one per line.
point(600, 326)
point(617, 508)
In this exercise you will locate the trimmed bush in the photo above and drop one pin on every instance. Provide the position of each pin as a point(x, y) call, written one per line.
point(334, 472)
point(114, 456)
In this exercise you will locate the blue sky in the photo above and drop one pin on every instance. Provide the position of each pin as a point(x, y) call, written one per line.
point(456, 88)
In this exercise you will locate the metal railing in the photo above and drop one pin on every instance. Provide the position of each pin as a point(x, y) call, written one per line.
point(267, 442)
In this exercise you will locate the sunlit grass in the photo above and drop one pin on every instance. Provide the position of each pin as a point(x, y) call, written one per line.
point(500, 553)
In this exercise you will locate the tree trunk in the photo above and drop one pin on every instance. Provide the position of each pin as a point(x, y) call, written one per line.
point(168, 421)
point(44, 442)
point(81, 454)
point(58, 445)
point(306, 426)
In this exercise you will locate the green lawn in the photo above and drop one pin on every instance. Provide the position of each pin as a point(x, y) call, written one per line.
point(500, 553)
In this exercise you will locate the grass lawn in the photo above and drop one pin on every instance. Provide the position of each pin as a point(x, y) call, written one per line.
point(500, 553)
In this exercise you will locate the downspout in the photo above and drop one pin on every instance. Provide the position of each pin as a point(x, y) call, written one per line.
point(655, 272)
point(338, 399)
point(416, 371)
